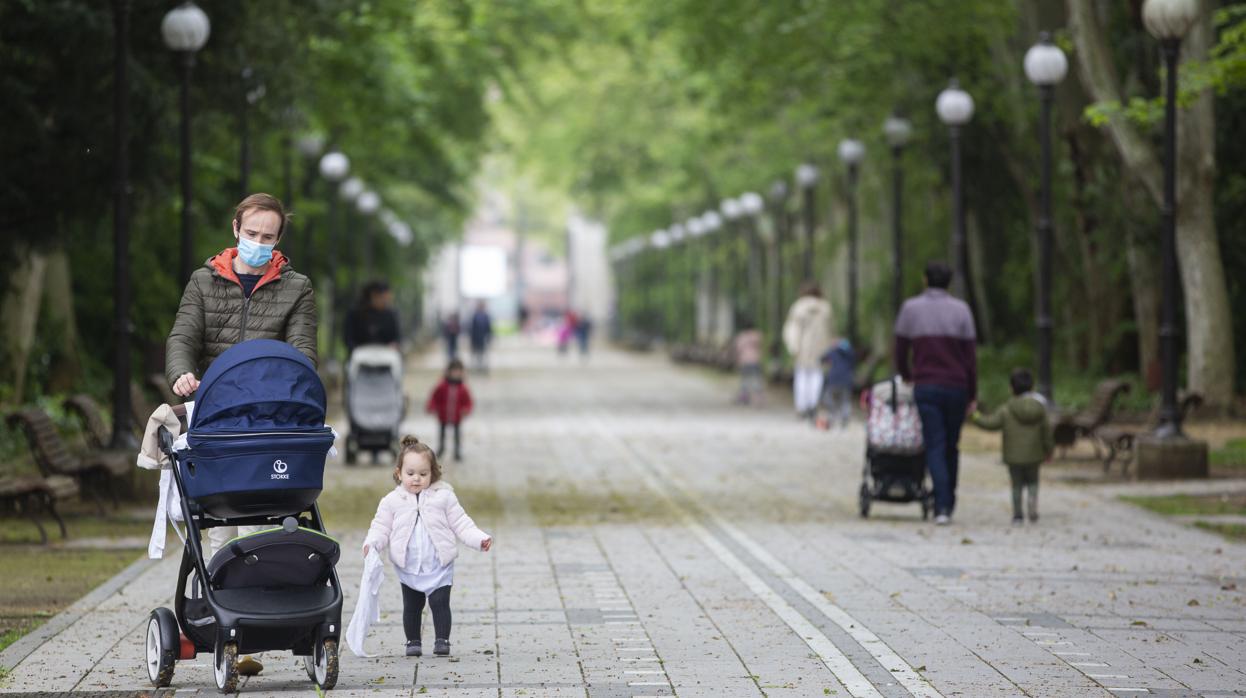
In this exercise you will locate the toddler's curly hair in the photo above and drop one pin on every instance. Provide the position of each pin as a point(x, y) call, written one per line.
point(412, 444)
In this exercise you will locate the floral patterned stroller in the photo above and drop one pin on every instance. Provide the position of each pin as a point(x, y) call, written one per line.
point(895, 459)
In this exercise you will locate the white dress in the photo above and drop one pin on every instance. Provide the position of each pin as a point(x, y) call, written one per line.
point(424, 572)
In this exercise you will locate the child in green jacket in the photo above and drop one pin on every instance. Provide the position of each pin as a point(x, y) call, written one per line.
point(1027, 440)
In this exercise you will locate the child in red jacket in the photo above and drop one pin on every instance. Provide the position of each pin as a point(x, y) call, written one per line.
point(451, 402)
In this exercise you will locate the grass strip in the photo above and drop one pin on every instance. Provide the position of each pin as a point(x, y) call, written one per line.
point(1193, 505)
point(1232, 531)
point(40, 582)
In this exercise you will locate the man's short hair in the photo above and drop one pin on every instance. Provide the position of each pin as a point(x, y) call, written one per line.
point(262, 202)
point(1021, 381)
point(938, 274)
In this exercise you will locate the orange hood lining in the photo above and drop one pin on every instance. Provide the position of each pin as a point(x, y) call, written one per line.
point(223, 264)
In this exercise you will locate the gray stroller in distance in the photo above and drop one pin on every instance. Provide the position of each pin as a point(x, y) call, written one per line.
point(375, 404)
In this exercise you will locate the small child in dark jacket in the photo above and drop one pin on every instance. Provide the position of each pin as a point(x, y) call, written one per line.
point(839, 362)
point(1027, 440)
point(451, 402)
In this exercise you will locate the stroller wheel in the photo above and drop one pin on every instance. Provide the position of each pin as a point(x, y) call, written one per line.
point(925, 508)
point(322, 665)
point(161, 653)
point(865, 501)
point(225, 668)
point(352, 451)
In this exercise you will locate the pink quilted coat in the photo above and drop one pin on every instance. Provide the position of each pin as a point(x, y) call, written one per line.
point(443, 517)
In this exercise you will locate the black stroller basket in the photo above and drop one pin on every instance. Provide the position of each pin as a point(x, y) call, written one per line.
point(256, 454)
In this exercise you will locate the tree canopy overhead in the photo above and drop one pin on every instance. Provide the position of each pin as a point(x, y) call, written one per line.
point(658, 109)
point(643, 113)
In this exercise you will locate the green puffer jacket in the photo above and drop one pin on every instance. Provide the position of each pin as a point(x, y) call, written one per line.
point(214, 315)
point(1027, 435)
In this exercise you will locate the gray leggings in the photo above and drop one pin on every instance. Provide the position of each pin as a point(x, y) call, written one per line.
point(1024, 477)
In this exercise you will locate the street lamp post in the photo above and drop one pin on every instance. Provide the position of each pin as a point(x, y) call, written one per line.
point(698, 264)
point(778, 207)
point(751, 206)
point(1168, 21)
point(185, 29)
point(737, 243)
point(1045, 66)
point(368, 203)
point(660, 240)
point(897, 130)
point(713, 223)
point(851, 152)
point(350, 191)
point(955, 108)
point(334, 166)
point(807, 180)
point(122, 435)
point(678, 234)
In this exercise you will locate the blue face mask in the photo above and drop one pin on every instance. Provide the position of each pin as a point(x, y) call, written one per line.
point(253, 253)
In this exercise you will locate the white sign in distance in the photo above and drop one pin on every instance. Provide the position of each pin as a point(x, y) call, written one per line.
point(482, 271)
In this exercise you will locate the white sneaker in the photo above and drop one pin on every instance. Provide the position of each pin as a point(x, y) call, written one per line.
point(943, 520)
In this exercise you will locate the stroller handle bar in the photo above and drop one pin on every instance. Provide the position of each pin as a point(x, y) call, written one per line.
point(165, 440)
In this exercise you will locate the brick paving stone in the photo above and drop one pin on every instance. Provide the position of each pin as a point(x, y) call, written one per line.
point(614, 478)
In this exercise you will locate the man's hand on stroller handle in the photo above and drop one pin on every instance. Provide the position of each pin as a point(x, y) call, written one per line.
point(186, 384)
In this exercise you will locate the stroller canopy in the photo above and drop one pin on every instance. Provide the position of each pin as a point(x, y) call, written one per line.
point(259, 385)
point(377, 356)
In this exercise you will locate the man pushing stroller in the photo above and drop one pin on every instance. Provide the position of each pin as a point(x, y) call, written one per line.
point(249, 291)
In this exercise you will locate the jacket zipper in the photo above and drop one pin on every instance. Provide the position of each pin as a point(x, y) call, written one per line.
point(246, 303)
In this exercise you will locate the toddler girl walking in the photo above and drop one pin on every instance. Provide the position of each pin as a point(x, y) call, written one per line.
point(418, 522)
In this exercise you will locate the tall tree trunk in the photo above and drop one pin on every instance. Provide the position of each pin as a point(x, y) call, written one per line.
point(58, 299)
point(19, 315)
point(1208, 318)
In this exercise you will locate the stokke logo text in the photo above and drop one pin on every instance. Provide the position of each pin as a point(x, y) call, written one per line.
point(279, 470)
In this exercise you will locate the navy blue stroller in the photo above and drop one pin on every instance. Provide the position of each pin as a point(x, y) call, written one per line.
point(257, 444)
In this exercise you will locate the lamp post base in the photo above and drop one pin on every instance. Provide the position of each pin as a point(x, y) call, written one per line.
point(1170, 457)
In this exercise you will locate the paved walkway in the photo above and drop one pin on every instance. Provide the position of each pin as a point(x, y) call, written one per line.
point(652, 540)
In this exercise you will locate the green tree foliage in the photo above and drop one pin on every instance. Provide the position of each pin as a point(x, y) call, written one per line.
point(398, 86)
point(658, 109)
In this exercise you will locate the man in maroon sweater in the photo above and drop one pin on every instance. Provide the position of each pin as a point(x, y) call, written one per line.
point(935, 348)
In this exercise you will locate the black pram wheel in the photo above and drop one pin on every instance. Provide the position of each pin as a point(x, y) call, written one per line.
point(865, 500)
point(163, 642)
point(322, 665)
point(225, 668)
point(925, 508)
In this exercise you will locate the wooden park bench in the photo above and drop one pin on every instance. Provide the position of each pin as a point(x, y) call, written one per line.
point(1118, 439)
point(27, 495)
point(97, 470)
point(95, 430)
point(1067, 428)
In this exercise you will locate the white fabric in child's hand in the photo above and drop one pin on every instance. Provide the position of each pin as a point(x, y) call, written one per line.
point(368, 605)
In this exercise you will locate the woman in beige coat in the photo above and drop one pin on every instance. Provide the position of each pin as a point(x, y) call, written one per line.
point(807, 335)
